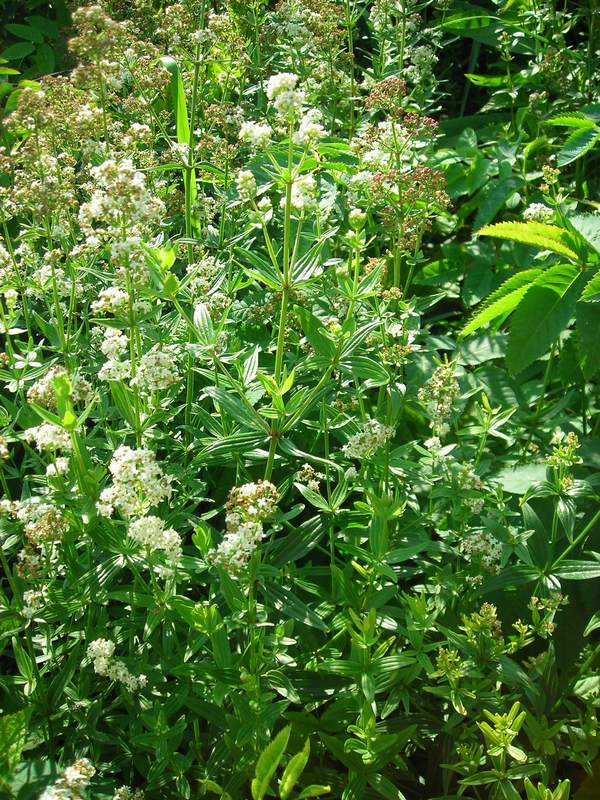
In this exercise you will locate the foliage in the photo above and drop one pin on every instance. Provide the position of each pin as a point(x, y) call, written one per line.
point(299, 427)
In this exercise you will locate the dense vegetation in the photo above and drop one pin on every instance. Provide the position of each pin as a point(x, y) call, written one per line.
point(300, 433)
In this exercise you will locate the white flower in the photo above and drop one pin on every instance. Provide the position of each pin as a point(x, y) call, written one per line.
point(371, 436)
point(246, 185)
point(537, 212)
point(151, 533)
point(114, 343)
point(138, 483)
point(48, 437)
point(304, 194)
point(286, 99)
point(257, 135)
point(157, 370)
point(101, 652)
point(310, 129)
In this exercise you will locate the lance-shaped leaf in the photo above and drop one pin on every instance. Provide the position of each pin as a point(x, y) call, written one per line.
point(503, 301)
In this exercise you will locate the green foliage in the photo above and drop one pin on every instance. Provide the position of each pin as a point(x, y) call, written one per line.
point(299, 419)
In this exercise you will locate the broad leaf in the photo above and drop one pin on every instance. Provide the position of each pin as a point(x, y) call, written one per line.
point(542, 314)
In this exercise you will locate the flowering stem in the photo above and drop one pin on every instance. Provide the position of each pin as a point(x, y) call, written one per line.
point(286, 287)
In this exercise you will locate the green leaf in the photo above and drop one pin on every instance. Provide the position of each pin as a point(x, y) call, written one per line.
point(204, 324)
point(502, 301)
point(314, 790)
point(588, 227)
point(239, 411)
point(182, 125)
point(492, 197)
point(587, 315)
point(13, 735)
point(25, 32)
point(290, 604)
point(576, 120)
point(365, 368)
point(293, 770)
point(316, 333)
point(593, 624)
point(574, 570)
point(536, 234)
point(577, 145)
point(268, 762)
point(45, 60)
point(260, 269)
point(17, 51)
point(542, 314)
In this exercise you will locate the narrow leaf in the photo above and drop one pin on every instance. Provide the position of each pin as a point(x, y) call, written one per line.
point(268, 762)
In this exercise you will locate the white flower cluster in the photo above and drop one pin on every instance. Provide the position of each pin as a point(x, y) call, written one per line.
point(256, 134)
point(111, 300)
point(438, 395)
point(72, 783)
point(32, 602)
point(48, 437)
point(157, 370)
point(125, 793)
point(247, 507)
point(152, 534)
point(304, 194)
point(310, 130)
point(484, 548)
point(113, 345)
point(121, 195)
point(246, 185)
point(138, 483)
point(286, 99)
point(371, 436)
point(538, 212)
point(7, 270)
point(101, 651)
point(309, 476)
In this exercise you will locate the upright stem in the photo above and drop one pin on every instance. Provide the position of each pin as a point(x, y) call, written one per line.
point(285, 294)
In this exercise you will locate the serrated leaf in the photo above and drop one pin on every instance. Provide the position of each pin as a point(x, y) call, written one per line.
point(293, 770)
point(577, 145)
point(575, 120)
point(588, 227)
point(268, 762)
point(502, 301)
point(536, 234)
point(587, 315)
point(542, 314)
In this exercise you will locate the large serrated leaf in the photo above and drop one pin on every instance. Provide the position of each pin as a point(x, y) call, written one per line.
point(577, 145)
point(542, 314)
point(587, 314)
point(502, 301)
point(588, 227)
point(536, 234)
point(268, 762)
